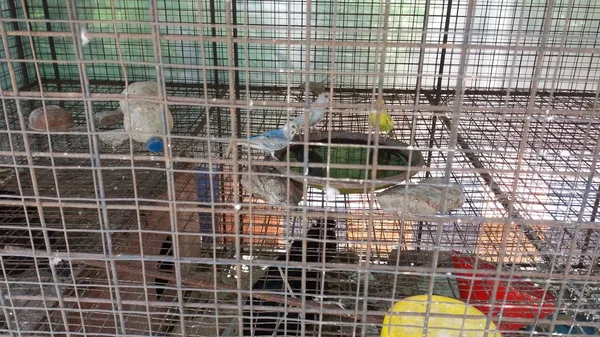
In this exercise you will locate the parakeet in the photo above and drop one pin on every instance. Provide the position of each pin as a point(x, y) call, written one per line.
point(386, 123)
point(316, 112)
point(270, 141)
point(273, 323)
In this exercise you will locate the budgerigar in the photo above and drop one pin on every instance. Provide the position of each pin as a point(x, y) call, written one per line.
point(386, 123)
point(317, 112)
point(270, 141)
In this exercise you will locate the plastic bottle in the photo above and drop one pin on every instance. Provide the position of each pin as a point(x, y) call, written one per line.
point(142, 118)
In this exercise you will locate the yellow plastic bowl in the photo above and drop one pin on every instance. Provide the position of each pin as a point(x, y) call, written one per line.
point(462, 321)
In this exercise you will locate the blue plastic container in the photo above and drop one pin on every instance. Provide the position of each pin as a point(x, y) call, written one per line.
point(204, 175)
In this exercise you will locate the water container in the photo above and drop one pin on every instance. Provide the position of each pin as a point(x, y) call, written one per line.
point(142, 118)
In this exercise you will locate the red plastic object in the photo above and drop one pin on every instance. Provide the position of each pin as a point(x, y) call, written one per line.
point(522, 301)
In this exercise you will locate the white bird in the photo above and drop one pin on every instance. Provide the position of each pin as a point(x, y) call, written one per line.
point(316, 112)
point(270, 141)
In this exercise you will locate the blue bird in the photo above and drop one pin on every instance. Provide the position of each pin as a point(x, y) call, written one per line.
point(270, 141)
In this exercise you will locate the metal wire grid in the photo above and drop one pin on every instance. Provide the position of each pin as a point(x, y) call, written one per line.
point(515, 25)
point(551, 175)
point(455, 161)
point(454, 234)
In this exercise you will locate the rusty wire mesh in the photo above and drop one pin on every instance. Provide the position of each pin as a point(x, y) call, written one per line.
point(498, 97)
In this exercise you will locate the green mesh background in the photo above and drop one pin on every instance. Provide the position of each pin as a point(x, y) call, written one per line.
point(356, 61)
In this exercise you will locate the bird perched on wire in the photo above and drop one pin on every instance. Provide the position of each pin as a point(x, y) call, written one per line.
point(316, 112)
point(385, 121)
point(289, 281)
point(270, 141)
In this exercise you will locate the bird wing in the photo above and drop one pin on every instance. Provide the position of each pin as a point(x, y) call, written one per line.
point(316, 114)
point(373, 119)
point(382, 119)
point(272, 134)
point(269, 141)
point(270, 145)
point(387, 123)
point(300, 119)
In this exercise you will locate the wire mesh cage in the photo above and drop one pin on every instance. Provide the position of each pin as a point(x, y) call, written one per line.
point(299, 168)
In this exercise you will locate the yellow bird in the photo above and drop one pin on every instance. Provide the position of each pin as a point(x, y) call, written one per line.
point(386, 123)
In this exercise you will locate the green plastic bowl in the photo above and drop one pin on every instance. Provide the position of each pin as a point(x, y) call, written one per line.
point(351, 149)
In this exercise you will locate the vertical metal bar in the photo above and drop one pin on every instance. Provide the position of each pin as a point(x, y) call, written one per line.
point(215, 55)
point(52, 45)
point(235, 172)
point(308, 68)
point(210, 155)
point(132, 162)
point(385, 19)
point(456, 115)
point(590, 232)
point(236, 64)
point(236, 59)
point(219, 117)
point(5, 306)
point(329, 128)
point(420, 74)
point(168, 158)
point(12, 9)
point(34, 181)
point(438, 86)
point(435, 101)
point(96, 164)
point(215, 58)
point(130, 142)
